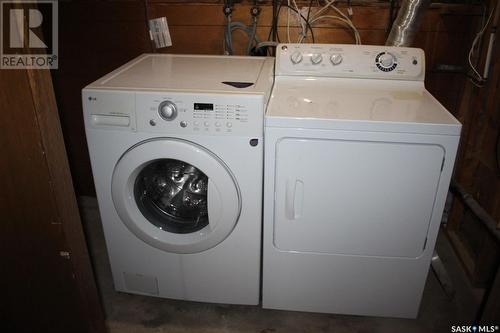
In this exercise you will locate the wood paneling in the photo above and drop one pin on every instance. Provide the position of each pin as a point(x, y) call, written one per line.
point(477, 169)
point(98, 36)
point(39, 218)
point(65, 201)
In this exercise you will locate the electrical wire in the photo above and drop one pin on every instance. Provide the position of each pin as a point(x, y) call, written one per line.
point(288, 23)
point(273, 31)
point(475, 81)
point(309, 27)
point(307, 23)
point(357, 38)
point(479, 34)
point(340, 17)
point(300, 18)
point(274, 22)
point(307, 18)
point(289, 6)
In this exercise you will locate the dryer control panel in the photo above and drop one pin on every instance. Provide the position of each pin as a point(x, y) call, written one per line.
point(351, 61)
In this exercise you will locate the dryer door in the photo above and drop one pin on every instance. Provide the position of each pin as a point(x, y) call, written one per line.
point(175, 195)
point(363, 198)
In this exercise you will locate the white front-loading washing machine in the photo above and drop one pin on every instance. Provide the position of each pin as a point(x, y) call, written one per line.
point(358, 160)
point(176, 148)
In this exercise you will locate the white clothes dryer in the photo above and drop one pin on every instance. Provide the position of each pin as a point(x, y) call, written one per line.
point(176, 148)
point(358, 160)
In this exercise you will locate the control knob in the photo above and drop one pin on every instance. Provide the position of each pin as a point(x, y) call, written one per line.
point(336, 59)
point(296, 57)
point(167, 110)
point(386, 61)
point(316, 58)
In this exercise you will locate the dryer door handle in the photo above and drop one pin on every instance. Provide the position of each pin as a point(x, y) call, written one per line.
point(294, 198)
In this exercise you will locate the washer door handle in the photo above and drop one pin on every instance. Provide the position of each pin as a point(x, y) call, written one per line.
point(214, 203)
point(294, 198)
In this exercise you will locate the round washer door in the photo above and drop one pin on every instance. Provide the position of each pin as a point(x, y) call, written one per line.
point(175, 195)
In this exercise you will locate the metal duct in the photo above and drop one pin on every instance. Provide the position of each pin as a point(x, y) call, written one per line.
point(407, 23)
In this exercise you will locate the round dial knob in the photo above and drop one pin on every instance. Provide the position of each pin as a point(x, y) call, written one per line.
point(316, 58)
point(167, 110)
point(296, 57)
point(336, 59)
point(386, 60)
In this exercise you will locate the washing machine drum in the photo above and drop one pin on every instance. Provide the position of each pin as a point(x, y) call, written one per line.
point(172, 195)
point(175, 195)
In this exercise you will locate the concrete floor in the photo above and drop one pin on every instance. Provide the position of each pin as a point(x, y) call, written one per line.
point(140, 314)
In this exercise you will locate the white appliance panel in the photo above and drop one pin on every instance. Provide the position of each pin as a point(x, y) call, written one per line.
point(198, 114)
point(122, 139)
point(354, 197)
point(358, 161)
point(350, 103)
point(352, 61)
point(203, 114)
point(185, 73)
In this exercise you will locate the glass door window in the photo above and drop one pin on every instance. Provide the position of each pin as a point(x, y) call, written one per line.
point(172, 195)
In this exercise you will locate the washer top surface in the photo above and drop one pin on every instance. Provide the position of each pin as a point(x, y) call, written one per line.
point(191, 73)
point(357, 93)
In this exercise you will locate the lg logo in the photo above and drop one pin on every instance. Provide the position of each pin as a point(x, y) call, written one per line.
point(29, 34)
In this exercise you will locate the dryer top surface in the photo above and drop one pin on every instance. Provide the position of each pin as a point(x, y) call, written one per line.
point(359, 104)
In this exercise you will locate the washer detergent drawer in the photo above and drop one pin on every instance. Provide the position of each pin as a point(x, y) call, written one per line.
point(355, 197)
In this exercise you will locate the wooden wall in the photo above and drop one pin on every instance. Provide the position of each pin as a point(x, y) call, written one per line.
point(95, 37)
point(478, 171)
point(44, 290)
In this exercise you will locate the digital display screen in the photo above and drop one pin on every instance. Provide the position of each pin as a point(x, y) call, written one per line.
point(204, 106)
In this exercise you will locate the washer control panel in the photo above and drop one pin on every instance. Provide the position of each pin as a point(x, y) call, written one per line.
point(354, 61)
point(211, 114)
